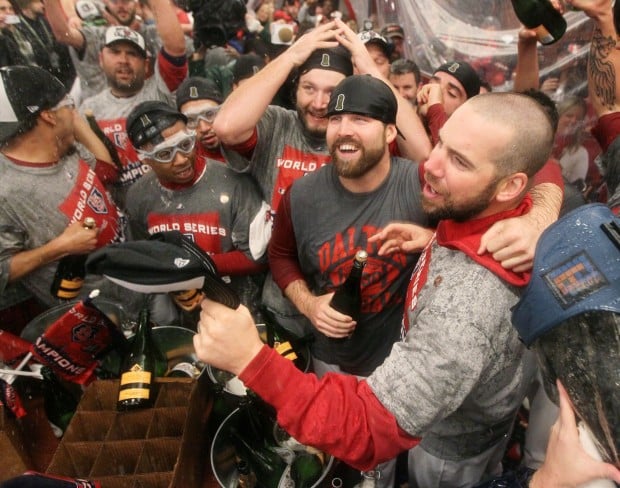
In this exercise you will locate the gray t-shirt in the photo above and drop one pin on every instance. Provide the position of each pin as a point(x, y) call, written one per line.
point(330, 225)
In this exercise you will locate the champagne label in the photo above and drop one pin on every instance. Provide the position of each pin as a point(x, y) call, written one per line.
point(131, 393)
point(543, 35)
point(70, 288)
point(135, 377)
point(184, 369)
point(188, 300)
point(285, 349)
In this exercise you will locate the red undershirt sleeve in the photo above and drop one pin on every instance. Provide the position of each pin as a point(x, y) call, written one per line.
point(173, 69)
point(283, 260)
point(435, 117)
point(338, 414)
point(246, 149)
point(235, 263)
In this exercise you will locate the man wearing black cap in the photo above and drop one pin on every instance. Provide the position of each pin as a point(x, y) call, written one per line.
point(277, 146)
point(124, 61)
point(47, 189)
point(220, 210)
point(460, 374)
point(379, 49)
point(199, 99)
point(360, 192)
point(395, 35)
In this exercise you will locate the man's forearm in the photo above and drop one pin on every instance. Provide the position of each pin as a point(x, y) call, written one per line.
point(298, 292)
point(547, 199)
point(25, 262)
point(168, 27)
point(63, 32)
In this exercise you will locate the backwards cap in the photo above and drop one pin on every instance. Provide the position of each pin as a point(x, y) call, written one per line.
point(576, 270)
point(336, 59)
point(24, 92)
point(465, 74)
point(147, 120)
point(364, 95)
point(371, 37)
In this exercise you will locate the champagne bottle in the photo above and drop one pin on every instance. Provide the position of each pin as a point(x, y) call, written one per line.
point(139, 368)
point(263, 460)
point(109, 145)
point(542, 17)
point(277, 340)
point(70, 273)
point(348, 297)
point(58, 402)
point(306, 469)
point(247, 478)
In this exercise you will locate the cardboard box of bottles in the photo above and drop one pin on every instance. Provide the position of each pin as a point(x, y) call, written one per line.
point(161, 447)
point(15, 458)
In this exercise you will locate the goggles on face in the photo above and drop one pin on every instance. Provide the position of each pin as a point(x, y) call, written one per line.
point(165, 152)
point(195, 116)
point(68, 102)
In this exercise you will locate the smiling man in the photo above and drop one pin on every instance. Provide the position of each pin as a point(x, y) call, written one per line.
point(219, 210)
point(459, 375)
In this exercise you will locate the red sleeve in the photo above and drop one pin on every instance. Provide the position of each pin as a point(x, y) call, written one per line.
point(246, 149)
point(106, 172)
point(173, 70)
point(283, 260)
point(338, 414)
point(235, 263)
point(394, 149)
point(551, 172)
point(435, 118)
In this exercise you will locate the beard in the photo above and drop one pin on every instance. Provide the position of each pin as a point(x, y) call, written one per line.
point(317, 131)
point(354, 168)
point(128, 87)
point(462, 211)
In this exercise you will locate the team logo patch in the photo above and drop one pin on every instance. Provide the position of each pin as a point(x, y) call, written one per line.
point(575, 279)
point(325, 61)
point(120, 140)
point(97, 202)
point(454, 67)
point(339, 103)
point(193, 92)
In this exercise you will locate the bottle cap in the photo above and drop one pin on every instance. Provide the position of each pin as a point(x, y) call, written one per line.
point(361, 256)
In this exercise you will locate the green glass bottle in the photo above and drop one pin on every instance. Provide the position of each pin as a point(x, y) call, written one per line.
point(348, 297)
point(70, 272)
point(58, 402)
point(264, 461)
point(140, 366)
point(306, 468)
point(542, 17)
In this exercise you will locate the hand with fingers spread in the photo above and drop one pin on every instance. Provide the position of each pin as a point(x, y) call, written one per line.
point(360, 56)
point(567, 464)
point(402, 237)
point(322, 37)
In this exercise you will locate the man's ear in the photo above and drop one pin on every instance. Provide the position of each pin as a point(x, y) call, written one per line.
point(48, 116)
point(390, 133)
point(511, 187)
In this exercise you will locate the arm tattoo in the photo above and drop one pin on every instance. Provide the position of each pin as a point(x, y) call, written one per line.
point(602, 72)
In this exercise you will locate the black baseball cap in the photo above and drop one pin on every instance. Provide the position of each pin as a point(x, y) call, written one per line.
point(147, 120)
point(364, 95)
point(247, 66)
point(24, 92)
point(166, 262)
point(371, 37)
point(335, 59)
point(198, 88)
point(465, 74)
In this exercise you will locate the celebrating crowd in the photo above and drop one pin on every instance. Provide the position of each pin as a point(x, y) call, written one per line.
point(447, 184)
